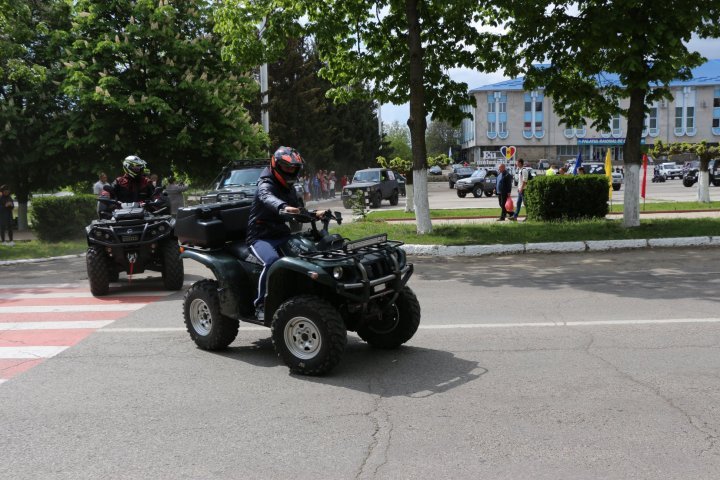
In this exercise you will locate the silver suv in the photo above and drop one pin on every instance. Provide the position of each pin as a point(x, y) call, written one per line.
point(670, 170)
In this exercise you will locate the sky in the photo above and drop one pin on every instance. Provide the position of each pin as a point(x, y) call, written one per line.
point(709, 48)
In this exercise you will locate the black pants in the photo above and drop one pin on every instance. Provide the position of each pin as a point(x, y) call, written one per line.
point(6, 224)
point(502, 198)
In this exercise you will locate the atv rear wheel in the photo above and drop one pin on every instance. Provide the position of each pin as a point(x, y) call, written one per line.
point(98, 271)
point(209, 329)
point(398, 323)
point(308, 335)
point(173, 272)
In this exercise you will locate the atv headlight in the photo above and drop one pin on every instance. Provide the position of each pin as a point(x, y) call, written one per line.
point(337, 273)
point(98, 234)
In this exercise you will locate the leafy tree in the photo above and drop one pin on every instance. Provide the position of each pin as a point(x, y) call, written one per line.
point(642, 42)
point(32, 34)
point(340, 137)
point(398, 138)
point(147, 77)
point(440, 137)
point(402, 50)
point(702, 151)
point(404, 167)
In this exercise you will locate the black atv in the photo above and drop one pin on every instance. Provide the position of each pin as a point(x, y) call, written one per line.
point(132, 238)
point(322, 286)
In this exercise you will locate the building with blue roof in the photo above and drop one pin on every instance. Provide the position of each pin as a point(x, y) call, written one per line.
point(507, 115)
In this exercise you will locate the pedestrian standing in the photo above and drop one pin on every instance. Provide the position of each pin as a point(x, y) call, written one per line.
point(523, 177)
point(6, 218)
point(98, 186)
point(175, 195)
point(331, 184)
point(503, 187)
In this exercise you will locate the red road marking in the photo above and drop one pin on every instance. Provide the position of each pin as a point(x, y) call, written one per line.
point(61, 316)
point(43, 338)
point(37, 302)
point(11, 367)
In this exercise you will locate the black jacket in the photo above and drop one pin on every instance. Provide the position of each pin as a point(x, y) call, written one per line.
point(505, 180)
point(270, 198)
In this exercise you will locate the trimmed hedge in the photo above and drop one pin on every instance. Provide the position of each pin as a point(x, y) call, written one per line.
point(569, 197)
point(56, 219)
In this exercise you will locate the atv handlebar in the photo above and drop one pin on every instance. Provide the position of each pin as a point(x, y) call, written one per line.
point(311, 216)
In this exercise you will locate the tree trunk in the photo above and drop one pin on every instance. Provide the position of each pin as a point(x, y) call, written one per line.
point(22, 202)
point(417, 122)
point(632, 154)
point(409, 204)
point(703, 192)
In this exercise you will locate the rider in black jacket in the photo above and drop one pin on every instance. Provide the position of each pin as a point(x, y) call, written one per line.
point(266, 228)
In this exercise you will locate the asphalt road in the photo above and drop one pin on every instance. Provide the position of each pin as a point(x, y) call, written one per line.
point(600, 366)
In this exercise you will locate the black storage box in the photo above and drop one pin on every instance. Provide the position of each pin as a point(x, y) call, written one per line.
point(211, 225)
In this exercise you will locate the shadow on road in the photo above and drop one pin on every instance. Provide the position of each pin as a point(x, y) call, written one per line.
point(408, 371)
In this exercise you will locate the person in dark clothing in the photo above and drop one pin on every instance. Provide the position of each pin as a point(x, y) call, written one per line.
point(132, 186)
point(6, 217)
point(504, 189)
point(267, 230)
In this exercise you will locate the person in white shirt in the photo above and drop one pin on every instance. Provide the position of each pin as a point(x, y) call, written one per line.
point(102, 181)
point(523, 177)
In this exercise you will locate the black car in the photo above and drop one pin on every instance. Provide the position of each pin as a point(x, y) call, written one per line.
point(481, 181)
point(238, 181)
point(457, 173)
point(377, 184)
point(692, 173)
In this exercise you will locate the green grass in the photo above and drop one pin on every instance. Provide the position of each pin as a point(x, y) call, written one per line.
point(495, 212)
point(37, 249)
point(533, 232)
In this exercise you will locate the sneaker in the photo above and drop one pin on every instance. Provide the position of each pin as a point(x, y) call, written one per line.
point(513, 219)
point(500, 220)
point(260, 313)
point(11, 243)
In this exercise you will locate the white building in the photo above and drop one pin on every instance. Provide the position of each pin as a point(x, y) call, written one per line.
point(506, 115)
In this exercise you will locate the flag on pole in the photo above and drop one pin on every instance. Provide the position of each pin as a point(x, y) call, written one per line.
point(608, 172)
point(644, 175)
point(578, 162)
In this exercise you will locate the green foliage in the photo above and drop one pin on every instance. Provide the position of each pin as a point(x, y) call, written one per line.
point(441, 160)
point(32, 35)
point(701, 150)
point(339, 137)
point(567, 197)
point(147, 78)
point(63, 218)
point(398, 138)
point(440, 137)
point(358, 205)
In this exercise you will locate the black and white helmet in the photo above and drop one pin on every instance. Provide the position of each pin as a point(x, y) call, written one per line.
point(134, 165)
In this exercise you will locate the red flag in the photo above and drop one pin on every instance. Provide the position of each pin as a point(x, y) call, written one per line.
point(644, 176)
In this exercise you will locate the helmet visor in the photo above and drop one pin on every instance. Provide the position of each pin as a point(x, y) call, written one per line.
point(292, 170)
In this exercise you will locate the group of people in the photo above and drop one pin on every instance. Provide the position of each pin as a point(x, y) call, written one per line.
point(7, 204)
point(137, 184)
point(504, 186)
point(321, 185)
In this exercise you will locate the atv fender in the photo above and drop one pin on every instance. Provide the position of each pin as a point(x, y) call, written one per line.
point(291, 276)
point(232, 279)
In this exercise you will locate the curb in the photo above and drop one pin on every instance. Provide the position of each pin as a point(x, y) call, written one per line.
point(500, 249)
point(558, 247)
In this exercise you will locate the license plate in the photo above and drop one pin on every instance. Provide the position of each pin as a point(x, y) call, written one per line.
point(378, 288)
point(130, 238)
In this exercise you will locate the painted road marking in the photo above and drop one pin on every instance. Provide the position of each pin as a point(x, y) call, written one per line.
point(461, 326)
point(40, 321)
point(31, 352)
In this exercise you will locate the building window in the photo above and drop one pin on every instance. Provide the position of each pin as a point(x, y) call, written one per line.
point(615, 126)
point(467, 126)
point(650, 126)
point(497, 115)
point(533, 115)
point(685, 112)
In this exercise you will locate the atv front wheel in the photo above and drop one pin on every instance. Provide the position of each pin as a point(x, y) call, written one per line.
point(98, 271)
point(209, 329)
point(398, 322)
point(173, 272)
point(308, 335)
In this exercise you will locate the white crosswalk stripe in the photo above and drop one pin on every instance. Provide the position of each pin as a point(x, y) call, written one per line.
point(72, 308)
point(29, 352)
point(54, 325)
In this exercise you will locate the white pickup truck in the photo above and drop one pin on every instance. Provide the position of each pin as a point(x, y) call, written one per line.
point(670, 170)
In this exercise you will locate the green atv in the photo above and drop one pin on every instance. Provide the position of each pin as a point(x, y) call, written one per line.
point(322, 286)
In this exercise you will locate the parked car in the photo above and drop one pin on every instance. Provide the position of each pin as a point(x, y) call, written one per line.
point(435, 170)
point(481, 181)
point(599, 169)
point(670, 170)
point(692, 174)
point(457, 173)
point(377, 184)
point(238, 181)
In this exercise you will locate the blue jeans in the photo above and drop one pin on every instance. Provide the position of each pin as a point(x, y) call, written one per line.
point(518, 204)
point(266, 251)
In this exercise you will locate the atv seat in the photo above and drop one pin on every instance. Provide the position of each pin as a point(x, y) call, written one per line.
point(241, 251)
